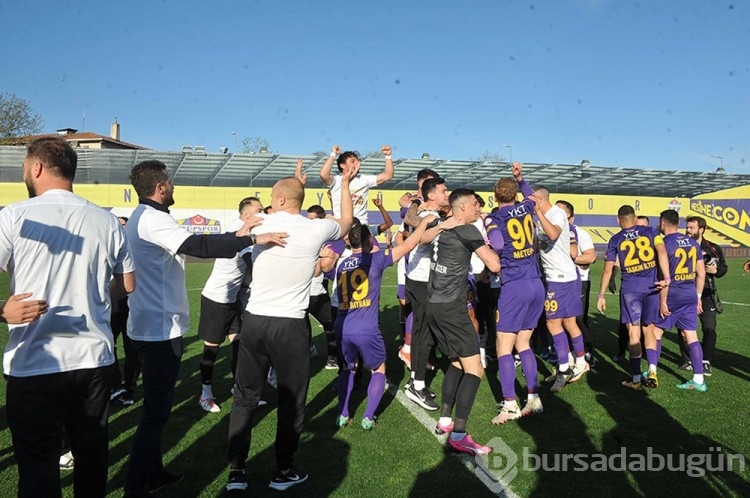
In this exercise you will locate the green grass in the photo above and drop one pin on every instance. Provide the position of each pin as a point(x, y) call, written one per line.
point(401, 458)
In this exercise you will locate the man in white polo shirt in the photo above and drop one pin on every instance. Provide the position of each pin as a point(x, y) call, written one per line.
point(222, 305)
point(159, 311)
point(274, 328)
point(63, 250)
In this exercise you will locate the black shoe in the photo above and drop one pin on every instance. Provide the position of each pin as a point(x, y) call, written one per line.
point(686, 367)
point(237, 480)
point(422, 398)
point(590, 359)
point(162, 479)
point(706, 369)
point(282, 481)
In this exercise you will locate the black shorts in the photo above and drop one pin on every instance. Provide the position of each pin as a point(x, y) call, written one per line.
point(218, 320)
point(453, 329)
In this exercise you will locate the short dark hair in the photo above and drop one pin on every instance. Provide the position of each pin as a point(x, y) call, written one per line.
point(123, 218)
point(479, 200)
point(266, 209)
point(359, 236)
point(247, 201)
point(346, 155)
point(146, 175)
point(429, 185)
point(319, 210)
point(426, 173)
point(699, 220)
point(459, 193)
point(568, 207)
point(625, 211)
point(56, 154)
point(670, 217)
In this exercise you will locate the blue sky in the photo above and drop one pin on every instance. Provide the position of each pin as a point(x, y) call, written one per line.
point(648, 84)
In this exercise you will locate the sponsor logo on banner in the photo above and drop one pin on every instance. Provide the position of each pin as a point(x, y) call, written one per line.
point(201, 225)
point(734, 213)
point(675, 205)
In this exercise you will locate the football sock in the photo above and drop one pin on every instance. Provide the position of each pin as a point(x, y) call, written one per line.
point(374, 393)
point(506, 369)
point(529, 368)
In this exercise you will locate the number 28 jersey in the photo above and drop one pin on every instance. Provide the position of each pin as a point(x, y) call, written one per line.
point(635, 249)
point(510, 230)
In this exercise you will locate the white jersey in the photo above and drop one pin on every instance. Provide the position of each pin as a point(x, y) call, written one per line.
point(335, 295)
point(63, 249)
point(418, 268)
point(316, 286)
point(556, 261)
point(282, 275)
point(159, 309)
point(585, 242)
point(227, 274)
point(360, 188)
point(476, 265)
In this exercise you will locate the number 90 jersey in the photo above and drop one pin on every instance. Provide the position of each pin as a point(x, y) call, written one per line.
point(635, 248)
point(510, 231)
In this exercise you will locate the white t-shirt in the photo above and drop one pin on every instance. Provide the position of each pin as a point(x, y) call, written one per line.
point(159, 309)
point(282, 275)
point(476, 266)
point(316, 286)
point(418, 268)
point(360, 188)
point(63, 249)
point(556, 261)
point(585, 242)
point(227, 275)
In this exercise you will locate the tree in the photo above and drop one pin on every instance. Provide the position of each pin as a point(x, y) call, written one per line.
point(255, 145)
point(490, 157)
point(17, 118)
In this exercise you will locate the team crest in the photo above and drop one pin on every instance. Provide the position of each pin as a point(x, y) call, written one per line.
point(674, 205)
point(201, 225)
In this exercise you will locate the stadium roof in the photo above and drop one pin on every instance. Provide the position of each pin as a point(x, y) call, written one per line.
point(263, 170)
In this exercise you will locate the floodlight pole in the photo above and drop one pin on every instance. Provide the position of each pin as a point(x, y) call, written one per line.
point(510, 152)
point(721, 161)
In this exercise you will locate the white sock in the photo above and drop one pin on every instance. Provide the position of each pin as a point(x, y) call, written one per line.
point(418, 385)
point(652, 368)
point(698, 378)
point(533, 396)
point(510, 405)
point(483, 357)
point(207, 392)
point(445, 421)
point(563, 367)
point(580, 362)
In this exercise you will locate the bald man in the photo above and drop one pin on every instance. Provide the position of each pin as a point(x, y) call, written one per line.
point(274, 328)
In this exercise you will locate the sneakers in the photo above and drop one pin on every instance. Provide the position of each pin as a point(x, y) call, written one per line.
point(578, 373)
point(343, 421)
point(441, 429)
point(561, 379)
point(124, 398)
point(544, 355)
point(687, 367)
point(422, 398)
point(707, 369)
point(516, 361)
point(532, 407)
point(66, 461)
point(467, 445)
point(636, 386)
point(332, 364)
point(116, 393)
point(409, 382)
point(618, 357)
point(367, 424)
point(161, 480)
point(509, 411)
point(552, 360)
point(690, 385)
point(284, 480)
point(590, 359)
point(650, 380)
point(237, 480)
point(209, 405)
point(405, 357)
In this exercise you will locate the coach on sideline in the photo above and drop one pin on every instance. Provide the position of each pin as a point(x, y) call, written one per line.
point(274, 328)
point(159, 311)
point(64, 250)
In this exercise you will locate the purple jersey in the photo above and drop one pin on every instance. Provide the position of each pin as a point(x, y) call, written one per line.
point(683, 253)
point(510, 231)
point(358, 288)
point(635, 248)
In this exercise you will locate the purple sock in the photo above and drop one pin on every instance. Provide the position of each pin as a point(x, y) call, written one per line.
point(374, 393)
point(578, 348)
point(528, 365)
point(658, 348)
point(507, 371)
point(652, 356)
point(346, 384)
point(561, 346)
point(635, 365)
point(696, 357)
point(409, 324)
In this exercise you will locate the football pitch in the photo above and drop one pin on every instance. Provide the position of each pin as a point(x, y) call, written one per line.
point(594, 438)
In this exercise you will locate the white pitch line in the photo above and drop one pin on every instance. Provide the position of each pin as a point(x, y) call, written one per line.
point(429, 423)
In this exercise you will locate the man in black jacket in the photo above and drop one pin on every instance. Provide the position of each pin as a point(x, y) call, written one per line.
point(716, 267)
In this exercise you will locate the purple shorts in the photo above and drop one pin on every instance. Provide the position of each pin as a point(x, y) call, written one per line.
point(401, 291)
point(520, 305)
point(563, 300)
point(370, 346)
point(639, 308)
point(683, 306)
